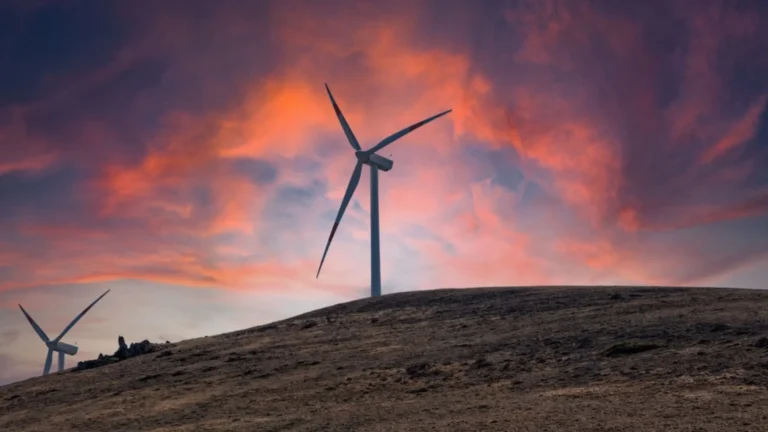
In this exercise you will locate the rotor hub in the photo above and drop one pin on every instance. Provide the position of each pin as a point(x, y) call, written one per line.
point(362, 156)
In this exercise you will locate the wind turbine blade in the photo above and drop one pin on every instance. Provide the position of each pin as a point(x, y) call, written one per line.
point(61, 361)
point(77, 318)
point(353, 181)
point(48, 361)
point(344, 125)
point(37, 328)
point(395, 136)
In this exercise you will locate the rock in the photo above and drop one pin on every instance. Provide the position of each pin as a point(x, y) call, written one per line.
point(124, 351)
point(139, 348)
point(101, 361)
point(418, 370)
point(308, 324)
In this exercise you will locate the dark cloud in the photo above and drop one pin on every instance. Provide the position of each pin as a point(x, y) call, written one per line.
point(285, 212)
point(50, 195)
point(73, 123)
point(257, 171)
point(663, 168)
point(97, 81)
point(501, 165)
point(54, 39)
point(285, 208)
point(659, 83)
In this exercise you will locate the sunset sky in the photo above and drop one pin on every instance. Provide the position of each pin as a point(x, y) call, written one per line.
point(185, 155)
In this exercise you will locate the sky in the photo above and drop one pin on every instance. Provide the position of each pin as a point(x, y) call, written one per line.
point(185, 155)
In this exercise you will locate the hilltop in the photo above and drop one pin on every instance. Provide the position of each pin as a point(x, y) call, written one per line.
point(500, 359)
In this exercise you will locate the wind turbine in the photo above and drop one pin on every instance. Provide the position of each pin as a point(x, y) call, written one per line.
point(55, 345)
point(375, 163)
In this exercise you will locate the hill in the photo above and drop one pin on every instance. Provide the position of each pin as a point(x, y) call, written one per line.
point(501, 359)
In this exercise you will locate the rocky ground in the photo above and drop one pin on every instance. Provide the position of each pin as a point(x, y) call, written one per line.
point(124, 352)
point(511, 359)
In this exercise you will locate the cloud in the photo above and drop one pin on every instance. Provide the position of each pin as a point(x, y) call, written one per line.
point(741, 131)
point(196, 146)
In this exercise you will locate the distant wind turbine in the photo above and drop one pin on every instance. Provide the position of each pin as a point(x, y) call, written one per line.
point(376, 163)
point(55, 345)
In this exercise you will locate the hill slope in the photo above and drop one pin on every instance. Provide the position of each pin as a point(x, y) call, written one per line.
point(511, 359)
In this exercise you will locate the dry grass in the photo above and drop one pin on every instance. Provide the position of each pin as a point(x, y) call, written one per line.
point(521, 359)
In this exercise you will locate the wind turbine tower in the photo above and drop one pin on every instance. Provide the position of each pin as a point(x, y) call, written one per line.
point(376, 163)
point(56, 345)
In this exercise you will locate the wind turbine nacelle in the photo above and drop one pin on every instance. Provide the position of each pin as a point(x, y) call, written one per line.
point(65, 348)
point(380, 162)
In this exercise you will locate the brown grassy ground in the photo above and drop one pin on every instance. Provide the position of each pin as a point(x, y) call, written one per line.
point(520, 359)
